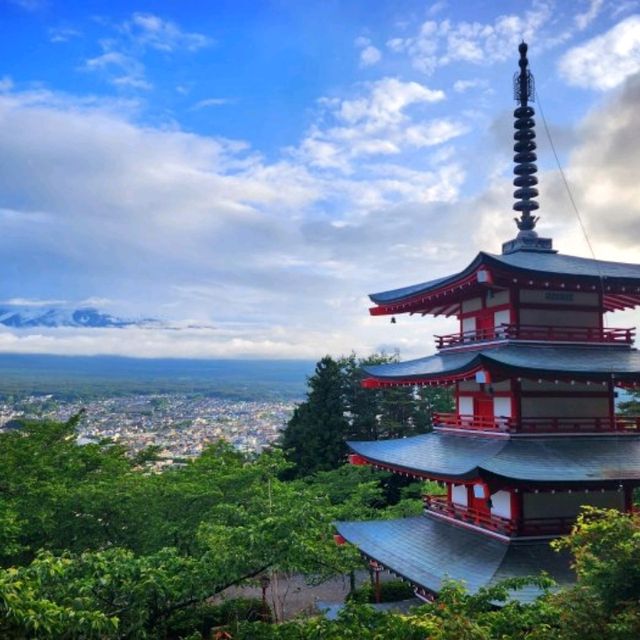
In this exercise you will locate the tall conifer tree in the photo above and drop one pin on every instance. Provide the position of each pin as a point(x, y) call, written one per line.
point(314, 438)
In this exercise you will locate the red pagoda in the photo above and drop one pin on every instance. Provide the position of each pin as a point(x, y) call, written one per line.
point(534, 435)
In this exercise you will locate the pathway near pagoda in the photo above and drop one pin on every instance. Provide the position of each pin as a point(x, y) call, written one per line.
point(296, 597)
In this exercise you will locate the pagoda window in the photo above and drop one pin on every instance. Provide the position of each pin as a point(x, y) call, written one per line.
point(468, 325)
point(502, 407)
point(459, 495)
point(502, 317)
point(465, 405)
point(501, 504)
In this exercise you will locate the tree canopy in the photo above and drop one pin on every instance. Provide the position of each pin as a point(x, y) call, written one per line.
point(338, 408)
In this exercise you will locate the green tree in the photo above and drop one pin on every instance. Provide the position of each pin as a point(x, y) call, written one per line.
point(315, 435)
point(338, 408)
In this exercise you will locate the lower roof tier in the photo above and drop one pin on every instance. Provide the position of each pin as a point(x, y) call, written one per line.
point(580, 363)
point(553, 459)
point(427, 552)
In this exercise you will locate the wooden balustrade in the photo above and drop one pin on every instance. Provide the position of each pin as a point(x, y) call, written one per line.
point(440, 505)
point(541, 333)
point(503, 424)
point(492, 522)
point(473, 423)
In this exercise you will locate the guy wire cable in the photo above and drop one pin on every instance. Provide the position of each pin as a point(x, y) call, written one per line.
point(582, 227)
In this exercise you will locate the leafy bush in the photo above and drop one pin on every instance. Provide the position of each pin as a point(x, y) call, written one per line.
point(391, 591)
point(205, 617)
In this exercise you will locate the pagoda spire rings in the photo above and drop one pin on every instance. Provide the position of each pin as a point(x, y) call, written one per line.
point(524, 147)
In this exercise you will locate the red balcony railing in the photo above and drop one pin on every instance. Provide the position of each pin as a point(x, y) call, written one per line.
point(492, 522)
point(619, 424)
point(541, 333)
point(473, 423)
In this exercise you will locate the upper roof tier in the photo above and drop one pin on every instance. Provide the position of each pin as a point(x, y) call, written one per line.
point(550, 362)
point(619, 282)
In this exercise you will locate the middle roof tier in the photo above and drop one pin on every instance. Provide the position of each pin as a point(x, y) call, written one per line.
point(602, 363)
point(541, 460)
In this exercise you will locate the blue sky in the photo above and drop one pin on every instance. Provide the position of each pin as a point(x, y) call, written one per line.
point(247, 171)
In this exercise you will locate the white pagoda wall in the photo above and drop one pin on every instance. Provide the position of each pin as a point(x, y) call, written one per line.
point(459, 495)
point(501, 504)
point(564, 407)
point(561, 317)
point(567, 505)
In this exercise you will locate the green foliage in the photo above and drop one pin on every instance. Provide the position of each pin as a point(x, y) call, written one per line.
point(204, 617)
point(314, 437)
point(99, 543)
point(390, 591)
point(338, 408)
point(96, 546)
point(605, 545)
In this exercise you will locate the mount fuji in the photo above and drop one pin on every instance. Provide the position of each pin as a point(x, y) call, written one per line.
point(32, 316)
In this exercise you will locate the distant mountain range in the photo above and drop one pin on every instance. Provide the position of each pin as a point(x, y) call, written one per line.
point(25, 317)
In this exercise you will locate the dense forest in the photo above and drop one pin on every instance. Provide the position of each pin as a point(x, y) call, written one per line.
point(95, 544)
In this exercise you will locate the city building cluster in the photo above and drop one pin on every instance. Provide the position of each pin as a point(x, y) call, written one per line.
point(181, 425)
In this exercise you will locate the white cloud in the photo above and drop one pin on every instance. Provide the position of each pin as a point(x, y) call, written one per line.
point(63, 34)
point(439, 43)
point(150, 31)
point(121, 69)
point(370, 56)
point(28, 302)
point(211, 102)
point(6, 84)
point(605, 61)
point(437, 7)
point(378, 122)
point(121, 58)
point(460, 86)
point(583, 20)
point(175, 225)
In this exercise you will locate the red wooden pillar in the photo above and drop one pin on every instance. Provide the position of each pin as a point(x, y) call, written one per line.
point(628, 499)
point(516, 509)
point(612, 407)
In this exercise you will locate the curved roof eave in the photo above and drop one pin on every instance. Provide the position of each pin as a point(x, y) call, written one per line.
point(428, 367)
point(395, 295)
point(545, 361)
point(538, 460)
point(525, 262)
point(431, 454)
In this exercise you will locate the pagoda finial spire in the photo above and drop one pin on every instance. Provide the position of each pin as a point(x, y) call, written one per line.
point(525, 157)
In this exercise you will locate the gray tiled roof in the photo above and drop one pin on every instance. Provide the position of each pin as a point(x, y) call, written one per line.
point(427, 551)
point(547, 459)
point(561, 359)
point(541, 263)
point(559, 264)
point(441, 455)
